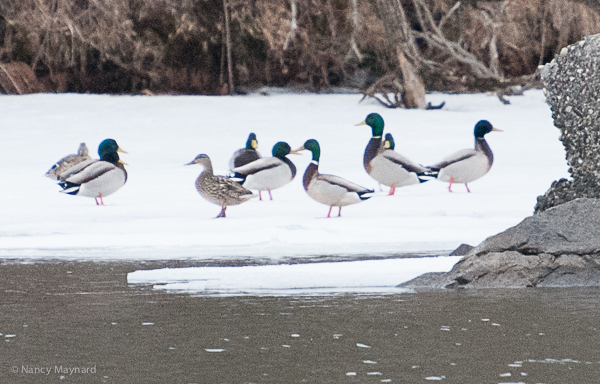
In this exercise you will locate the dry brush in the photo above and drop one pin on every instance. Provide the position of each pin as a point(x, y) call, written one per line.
point(182, 46)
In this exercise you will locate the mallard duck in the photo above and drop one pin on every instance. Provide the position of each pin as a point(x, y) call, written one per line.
point(68, 162)
point(328, 189)
point(387, 166)
point(268, 173)
point(219, 190)
point(245, 155)
point(469, 164)
point(98, 178)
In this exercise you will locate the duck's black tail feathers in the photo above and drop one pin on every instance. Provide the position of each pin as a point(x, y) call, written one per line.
point(69, 188)
point(361, 195)
point(428, 175)
point(238, 178)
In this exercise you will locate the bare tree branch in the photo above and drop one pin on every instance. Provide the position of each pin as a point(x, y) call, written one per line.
point(293, 26)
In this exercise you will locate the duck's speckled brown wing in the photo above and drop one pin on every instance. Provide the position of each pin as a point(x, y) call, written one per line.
point(221, 190)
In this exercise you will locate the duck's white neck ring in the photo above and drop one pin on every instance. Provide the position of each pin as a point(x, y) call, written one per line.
point(376, 137)
point(315, 162)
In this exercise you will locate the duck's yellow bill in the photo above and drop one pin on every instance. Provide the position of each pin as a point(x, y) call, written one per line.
point(295, 151)
point(121, 150)
point(361, 123)
point(122, 162)
point(497, 130)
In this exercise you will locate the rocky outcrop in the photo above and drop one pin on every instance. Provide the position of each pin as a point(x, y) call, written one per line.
point(572, 89)
point(462, 250)
point(560, 245)
point(556, 248)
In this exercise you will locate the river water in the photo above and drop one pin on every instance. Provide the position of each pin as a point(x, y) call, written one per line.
point(80, 322)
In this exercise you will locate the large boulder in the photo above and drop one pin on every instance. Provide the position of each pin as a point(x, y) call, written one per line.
point(572, 89)
point(558, 247)
point(560, 244)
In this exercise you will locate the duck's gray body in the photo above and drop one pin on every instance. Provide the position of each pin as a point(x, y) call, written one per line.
point(267, 174)
point(67, 162)
point(332, 190)
point(466, 165)
point(94, 179)
point(388, 167)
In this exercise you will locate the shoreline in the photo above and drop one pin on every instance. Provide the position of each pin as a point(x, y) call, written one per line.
point(219, 262)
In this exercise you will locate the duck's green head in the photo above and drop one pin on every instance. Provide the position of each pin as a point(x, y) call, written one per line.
point(107, 150)
point(313, 146)
point(375, 121)
point(483, 127)
point(389, 141)
point(251, 143)
point(282, 149)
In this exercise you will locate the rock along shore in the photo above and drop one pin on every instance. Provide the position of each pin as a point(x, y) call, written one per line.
point(557, 248)
point(560, 245)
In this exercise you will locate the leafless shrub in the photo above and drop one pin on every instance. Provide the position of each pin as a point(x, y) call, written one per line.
point(18, 78)
point(179, 46)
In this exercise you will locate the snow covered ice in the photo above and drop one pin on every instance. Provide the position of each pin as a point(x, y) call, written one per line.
point(360, 277)
point(158, 214)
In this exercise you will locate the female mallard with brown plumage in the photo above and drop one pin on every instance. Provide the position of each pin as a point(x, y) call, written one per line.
point(219, 190)
point(468, 164)
point(69, 161)
point(328, 189)
point(386, 166)
point(98, 178)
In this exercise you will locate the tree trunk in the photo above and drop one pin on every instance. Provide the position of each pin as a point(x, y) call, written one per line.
point(228, 43)
point(414, 95)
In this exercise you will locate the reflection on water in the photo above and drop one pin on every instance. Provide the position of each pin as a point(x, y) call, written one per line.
point(84, 315)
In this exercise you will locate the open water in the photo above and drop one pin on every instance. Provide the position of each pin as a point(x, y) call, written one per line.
point(68, 322)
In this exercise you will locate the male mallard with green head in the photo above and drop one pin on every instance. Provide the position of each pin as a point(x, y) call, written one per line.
point(468, 164)
point(328, 189)
point(219, 190)
point(98, 178)
point(245, 155)
point(389, 167)
point(69, 161)
point(269, 173)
